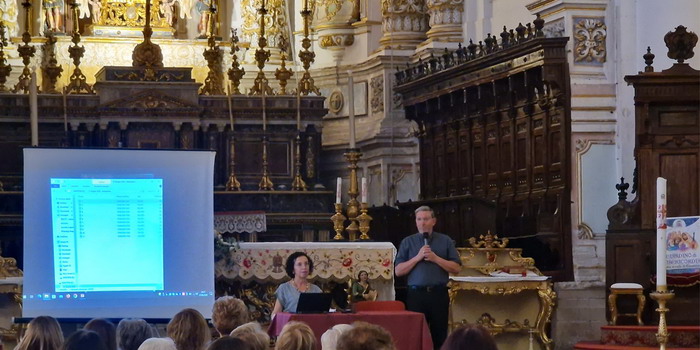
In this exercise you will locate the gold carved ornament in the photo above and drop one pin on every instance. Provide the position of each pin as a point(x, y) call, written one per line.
point(275, 20)
point(589, 40)
point(130, 13)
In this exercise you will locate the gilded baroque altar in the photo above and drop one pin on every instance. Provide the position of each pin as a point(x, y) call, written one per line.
point(119, 18)
point(504, 292)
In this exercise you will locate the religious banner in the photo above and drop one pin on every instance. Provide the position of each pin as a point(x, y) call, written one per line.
point(682, 248)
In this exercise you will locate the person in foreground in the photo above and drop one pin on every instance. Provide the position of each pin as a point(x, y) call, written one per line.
point(470, 338)
point(131, 332)
point(84, 339)
point(428, 258)
point(189, 330)
point(253, 334)
point(365, 335)
point(106, 329)
point(298, 266)
point(296, 336)
point(44, 333)
point(228, 313)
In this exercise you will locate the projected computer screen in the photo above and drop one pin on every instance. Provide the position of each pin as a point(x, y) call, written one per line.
point(117, 232)
point(126, 214)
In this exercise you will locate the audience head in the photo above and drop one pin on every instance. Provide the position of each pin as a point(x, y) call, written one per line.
point(189, 330)
point(365, 335)
point(43, 333)
point(289, 265)
point(106, 330)
point(229, 343)
point(329, 339)
point(131, 332)
point(84, 339)
point(158, 344)
point(228, 313)
point(296, 336)
point(469, 338)
point(252, 334)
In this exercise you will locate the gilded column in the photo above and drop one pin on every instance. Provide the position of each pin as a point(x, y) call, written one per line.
point(333, 23)
point(445, 20)
point(404, 23)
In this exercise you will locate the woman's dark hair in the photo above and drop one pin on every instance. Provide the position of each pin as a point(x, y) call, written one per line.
point(289, 266)
point(105, 329)
point(229, 342)
point(469, 338)
point(359, 273)
point(84, 340)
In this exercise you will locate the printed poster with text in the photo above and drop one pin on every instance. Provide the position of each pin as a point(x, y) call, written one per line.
point(682, 247)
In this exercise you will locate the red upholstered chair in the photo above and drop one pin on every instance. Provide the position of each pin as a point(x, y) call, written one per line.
point(384, 305)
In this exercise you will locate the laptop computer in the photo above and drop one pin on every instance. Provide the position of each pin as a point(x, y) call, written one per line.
point(314, 303)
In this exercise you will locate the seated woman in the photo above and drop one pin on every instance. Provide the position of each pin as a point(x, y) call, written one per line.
point(43, 332)
point(361, 290)
point(298, 267)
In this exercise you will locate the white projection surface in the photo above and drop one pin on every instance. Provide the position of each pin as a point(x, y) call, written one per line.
point(117, 232)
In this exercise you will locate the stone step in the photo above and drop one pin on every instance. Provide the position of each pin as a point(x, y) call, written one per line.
point(598, 346)
point(679, 336)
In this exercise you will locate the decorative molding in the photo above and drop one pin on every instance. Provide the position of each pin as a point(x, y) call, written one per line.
point(582, 146)
point(404, 22)
point(336, 40)
point(445, 19)
point(589, 40)
point(336, 101)
point(584, 231)
point(377, 99)
point(555, 29)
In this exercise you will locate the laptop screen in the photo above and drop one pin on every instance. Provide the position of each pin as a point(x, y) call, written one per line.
point(314, 303)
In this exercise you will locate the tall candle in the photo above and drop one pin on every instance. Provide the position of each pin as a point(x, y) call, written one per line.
point(660, 234)
point(65, 112)
point(364, 190)
point(298, 110)
point(33, 110)
point(351, 109)
point(230, 106)
point(338, 189)
point(263, 106)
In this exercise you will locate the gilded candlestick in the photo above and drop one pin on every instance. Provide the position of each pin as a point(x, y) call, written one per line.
point(78, 82)
point(265, 183)
point(26, 51)
point(364, 220)
point(213, 84)
point(236, 72)
point(5, 68)
point(306, 84)
point(52, 71)
point(298, 183)
point(233, 184)
point(353, 155)
point(338, 222)
point(662, 297)
point(261, 56)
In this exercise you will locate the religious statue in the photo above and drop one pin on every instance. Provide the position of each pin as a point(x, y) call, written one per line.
point(53, 15)
point(166, 7)
point(84, 8)
point(8, 15)
point(186, 8)
point(96, 10)
point(204, 17)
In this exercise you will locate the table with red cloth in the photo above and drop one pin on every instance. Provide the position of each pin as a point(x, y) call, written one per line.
point(408, 329)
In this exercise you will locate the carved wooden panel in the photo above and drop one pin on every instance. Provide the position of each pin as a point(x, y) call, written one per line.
point(499, 131)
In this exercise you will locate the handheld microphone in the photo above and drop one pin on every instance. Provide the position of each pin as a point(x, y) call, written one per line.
point(426, 236)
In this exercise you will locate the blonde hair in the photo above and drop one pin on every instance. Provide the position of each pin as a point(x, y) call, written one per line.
point(228, 313)
point(329, 339)
point(189, 330)
point(296, 336)
point(252, 334)
point(43, 333)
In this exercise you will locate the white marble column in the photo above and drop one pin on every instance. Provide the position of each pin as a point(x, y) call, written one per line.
point(404, 23)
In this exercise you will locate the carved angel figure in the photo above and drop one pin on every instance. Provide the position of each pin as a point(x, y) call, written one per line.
point(186, 8)
point(52, 15)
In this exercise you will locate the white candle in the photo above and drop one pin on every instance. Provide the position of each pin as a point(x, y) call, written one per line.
point(660, 234)
point(65, 112)
point(230, 106)
point(364, 190)
point(33, 110)
point(338, 190)
point(351, 109)
point(263, 104)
